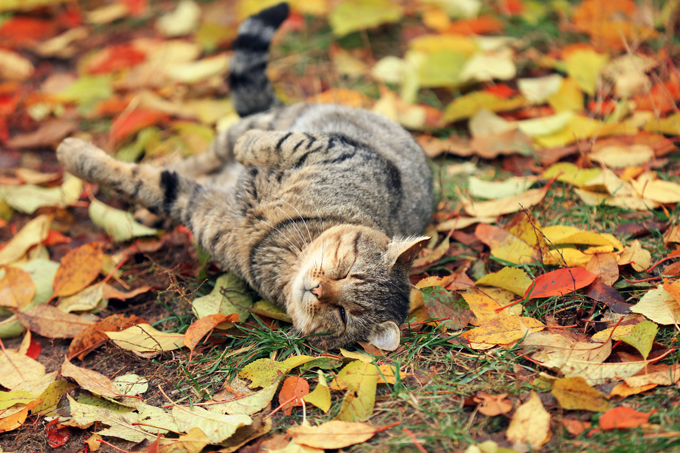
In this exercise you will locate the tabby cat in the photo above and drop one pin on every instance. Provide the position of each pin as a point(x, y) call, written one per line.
point(318, 207)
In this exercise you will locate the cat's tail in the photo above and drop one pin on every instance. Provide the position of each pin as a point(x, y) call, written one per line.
point(251, 90)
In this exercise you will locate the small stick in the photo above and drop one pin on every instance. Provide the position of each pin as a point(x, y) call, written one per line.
point(415, 441)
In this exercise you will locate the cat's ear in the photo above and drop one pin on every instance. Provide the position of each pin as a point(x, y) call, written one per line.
point(385, 336)
point(403, 251)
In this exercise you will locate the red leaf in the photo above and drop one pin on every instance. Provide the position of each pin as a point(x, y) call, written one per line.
point(114, 58)
point(624, 417)
point(129, 123)
point(561, 281)
point(25, 31)
point(501, 90)
point(55, 237)
point(482, 25)
point(34, 349)
point(293, 387)
point(4, 132)
point(57, 435)
point(136, 7)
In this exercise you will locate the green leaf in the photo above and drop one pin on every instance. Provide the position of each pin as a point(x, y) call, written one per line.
point(355, 15)
point(28, 198)
point(9, 399)
point(268, 309)
point(264, 372)
point(51, 397)
point(238, 299)
point(120, 225)
point(216, 426)
point(642, 337)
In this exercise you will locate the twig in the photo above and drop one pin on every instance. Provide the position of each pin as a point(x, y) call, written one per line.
point(415, 441)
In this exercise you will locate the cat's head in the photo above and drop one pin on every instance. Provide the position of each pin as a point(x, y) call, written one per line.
point(353, 285)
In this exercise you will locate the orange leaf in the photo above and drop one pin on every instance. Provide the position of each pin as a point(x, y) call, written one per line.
point(501, 90)
point(293, 387)
point(129, 123)
point(112, 293)
point(200, 327)
point(78, 269)
point(25, 31)
point(561, 281)
point(482, 25)
point(55, 237)
point(624, 417)
point(575, 427)
point(661, 98)
point(16, 288)
point(16, 420)
point(114, 58)
point(92, 337)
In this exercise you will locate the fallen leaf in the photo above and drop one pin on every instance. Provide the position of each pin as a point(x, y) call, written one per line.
point(146, 340)
point(50, 133)
point(18, 369)
point(92, 336)
point(567, 98)
point(530, 424)
point(583, 65)
point(51, 397)
point(355, 15)
point(574, 393)
point(51, 322)
point(624, 390)
point(130, 122)
point(33, 233)
point(86, 300)
point(264, 372)
point(605, 266)
point(334, 434)
point(538, 90)
point(131, 384)
point(466, 106)
point(14, 421)
point(574, 426)
point(78, 269)
point(623, 417)
point(230, 296)
point(503, 330)
point(492, 405)
point(199, 328)
point(656, 375)
point(16, 288)
point(636, 256)
point(217, 427)
point(120, 225)
point(183, 20)
point(294, 388)
point(196, 71)
point(623, 156)
point(506, 205)
point(269, 310)
point(512, 279)
point(642, 337)
point(28, 198)
point(321, 396)
point(561, 281)
point(14, 67)
point(607, 295)
point(498, 190)
point(506, 246)
point(441, 304)
point(90, 380)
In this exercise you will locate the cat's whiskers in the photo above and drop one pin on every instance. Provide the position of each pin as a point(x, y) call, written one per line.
point(301, 218)
point(304, 242)
point(295, 249)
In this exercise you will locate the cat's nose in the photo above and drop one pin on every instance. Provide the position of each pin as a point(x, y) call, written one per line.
point(318, 291)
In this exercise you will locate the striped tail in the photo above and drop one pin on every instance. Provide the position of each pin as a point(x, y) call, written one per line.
point(251, 90)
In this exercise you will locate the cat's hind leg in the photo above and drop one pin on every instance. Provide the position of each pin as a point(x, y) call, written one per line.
point(163, 192)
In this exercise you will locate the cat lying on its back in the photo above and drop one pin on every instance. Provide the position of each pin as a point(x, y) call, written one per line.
point(317, 207)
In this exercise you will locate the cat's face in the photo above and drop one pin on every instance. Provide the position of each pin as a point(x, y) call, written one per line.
point(353, 286)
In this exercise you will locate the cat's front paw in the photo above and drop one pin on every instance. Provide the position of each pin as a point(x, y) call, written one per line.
point(78, 156)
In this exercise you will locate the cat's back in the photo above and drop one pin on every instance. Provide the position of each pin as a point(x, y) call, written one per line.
point(411, 182)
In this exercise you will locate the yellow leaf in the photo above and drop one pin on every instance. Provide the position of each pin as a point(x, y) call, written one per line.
point(530, 424)
point(657, 190)
point(183, 20)
point(666, 375)
point(28, 198)
point(596, 199)
point(562, 234)
point(197, 71)
point(659, 306)
point(582, 128)
point(567, 98)
point(355, 15)
point(143, 338)
point(544, 125)
point(620, 156)
point(584, 66)
point(33, 233)
point(499, 189)
point(19, 369)
point(571, 174)
point(636, 256)
point(332, 435)
point(503, 330)
point(566, 256)
point(486, 66)
point(669, 125)
point(13, 66)
point(575, 394)
point(466, 106)
point(511, 278)
point(346, 64)
point(342, 96)
point(321, 396)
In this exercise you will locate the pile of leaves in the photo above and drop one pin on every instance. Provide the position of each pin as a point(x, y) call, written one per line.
point(548, 298)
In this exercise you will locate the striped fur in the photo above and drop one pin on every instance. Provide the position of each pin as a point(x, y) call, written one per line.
point(318, 207)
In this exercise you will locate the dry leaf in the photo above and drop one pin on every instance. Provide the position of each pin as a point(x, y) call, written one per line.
point(78, 269)
point(90, 380)
point(332, 435)
point(492, 405)
point(51, 322)
point(530, 424)
point(16, 288)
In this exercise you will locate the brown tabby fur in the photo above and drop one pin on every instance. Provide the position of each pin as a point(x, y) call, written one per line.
point(317, 207)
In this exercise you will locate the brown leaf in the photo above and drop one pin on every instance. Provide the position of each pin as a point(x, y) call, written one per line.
point(50, 133)
point(639, 229)
point(509, 142)
point(51, 322)
point(78, 269)
point(92, 337)
point(607, 295)
point(293, 387)
point(202, 326)
point(493, 405)
point(606, 266)
point(16, 288)
point(90, 380)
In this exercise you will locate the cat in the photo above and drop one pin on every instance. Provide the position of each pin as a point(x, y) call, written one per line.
point(318, 207)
